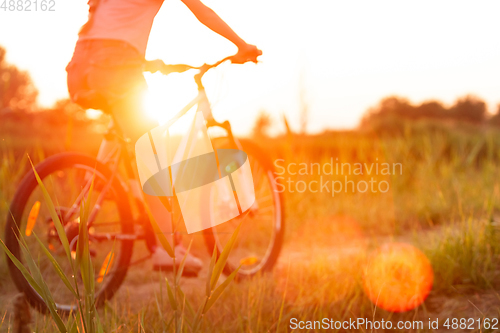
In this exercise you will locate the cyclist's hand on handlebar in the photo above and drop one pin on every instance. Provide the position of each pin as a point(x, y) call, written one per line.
point(246, 53)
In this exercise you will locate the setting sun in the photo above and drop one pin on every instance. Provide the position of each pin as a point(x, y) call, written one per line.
point(168, 94)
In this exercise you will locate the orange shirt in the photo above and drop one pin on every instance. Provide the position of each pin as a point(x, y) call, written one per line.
point(126, 20)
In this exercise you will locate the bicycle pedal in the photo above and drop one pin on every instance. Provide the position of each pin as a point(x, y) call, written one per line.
point(185, 273)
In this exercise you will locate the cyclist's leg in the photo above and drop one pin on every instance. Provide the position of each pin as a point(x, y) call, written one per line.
point(135, 123)
point(114, 70)
point(129, 114)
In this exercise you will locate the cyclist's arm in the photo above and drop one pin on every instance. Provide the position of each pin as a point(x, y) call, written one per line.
point(211, 20)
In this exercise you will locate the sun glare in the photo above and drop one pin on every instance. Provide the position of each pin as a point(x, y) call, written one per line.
point(167, 95)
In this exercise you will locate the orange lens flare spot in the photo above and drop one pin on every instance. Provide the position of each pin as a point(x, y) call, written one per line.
point(108, 262)
point(398, 277)
point(248, 261)
point(32, 218)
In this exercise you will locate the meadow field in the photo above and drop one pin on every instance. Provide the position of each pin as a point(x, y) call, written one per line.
point(441, 195)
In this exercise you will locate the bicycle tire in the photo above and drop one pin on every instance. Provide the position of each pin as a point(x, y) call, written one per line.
point(279, 224)
point(18, 206)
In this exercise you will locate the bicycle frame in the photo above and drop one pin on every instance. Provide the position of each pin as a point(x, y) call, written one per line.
point(121, 153)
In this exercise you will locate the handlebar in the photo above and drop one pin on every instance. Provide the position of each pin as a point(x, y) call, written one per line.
point(204, 68)
point(160, 66)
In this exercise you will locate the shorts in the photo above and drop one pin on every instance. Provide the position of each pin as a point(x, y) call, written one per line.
point(113, 71)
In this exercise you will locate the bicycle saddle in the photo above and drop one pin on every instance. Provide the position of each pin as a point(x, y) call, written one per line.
point(91, 99)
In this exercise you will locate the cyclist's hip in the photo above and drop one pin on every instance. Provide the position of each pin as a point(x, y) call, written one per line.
point(103, 72)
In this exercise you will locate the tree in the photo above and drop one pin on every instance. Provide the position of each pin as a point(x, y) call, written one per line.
point(469, 108)
point(431, 109)
point(495, 119)
point(389, 107)
point(17, 91)
point(262, 125)
point(392, 110)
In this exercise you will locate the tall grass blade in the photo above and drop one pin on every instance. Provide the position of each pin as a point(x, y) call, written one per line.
point(86, 267)
point(159, 233)
point(210, 271)
point(36, 276)
point(21, 268)
point(169, 323)
point(183, 263)
point(72, 325)
point(53, 214)
point(182, 298)
point(219, 265)
point(98, 322)
point(171, 298)
point(44, 291)
point(283, 300)
point(212, 279)
point(160, 312)
point(198, 316)
point(220, 289)
point(56, 266)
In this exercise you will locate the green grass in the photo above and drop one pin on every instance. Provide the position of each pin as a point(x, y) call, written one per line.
point(446, 203)
point(85, 317)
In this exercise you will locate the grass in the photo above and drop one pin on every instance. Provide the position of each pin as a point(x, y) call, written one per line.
point(465, 255)
point(446, 203)
point(85, 318)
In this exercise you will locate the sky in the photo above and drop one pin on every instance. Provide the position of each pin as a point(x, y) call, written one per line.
point(343, 55)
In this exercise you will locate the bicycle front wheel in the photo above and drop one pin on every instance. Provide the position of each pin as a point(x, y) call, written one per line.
point(67, 178)
point(262, 228)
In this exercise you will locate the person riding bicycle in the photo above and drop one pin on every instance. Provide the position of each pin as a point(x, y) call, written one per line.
point(106, 72)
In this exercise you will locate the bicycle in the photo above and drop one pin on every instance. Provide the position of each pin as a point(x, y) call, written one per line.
point(118, 216)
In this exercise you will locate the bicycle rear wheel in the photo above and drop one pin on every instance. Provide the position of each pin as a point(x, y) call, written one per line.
point(65, 177)
point(262, 228)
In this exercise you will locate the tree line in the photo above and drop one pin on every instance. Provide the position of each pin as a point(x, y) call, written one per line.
point(467, 109)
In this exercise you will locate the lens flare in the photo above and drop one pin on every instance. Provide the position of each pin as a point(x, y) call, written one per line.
point(32, 218)
point(249, 261)
point(107, 263)
point(398, 277)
